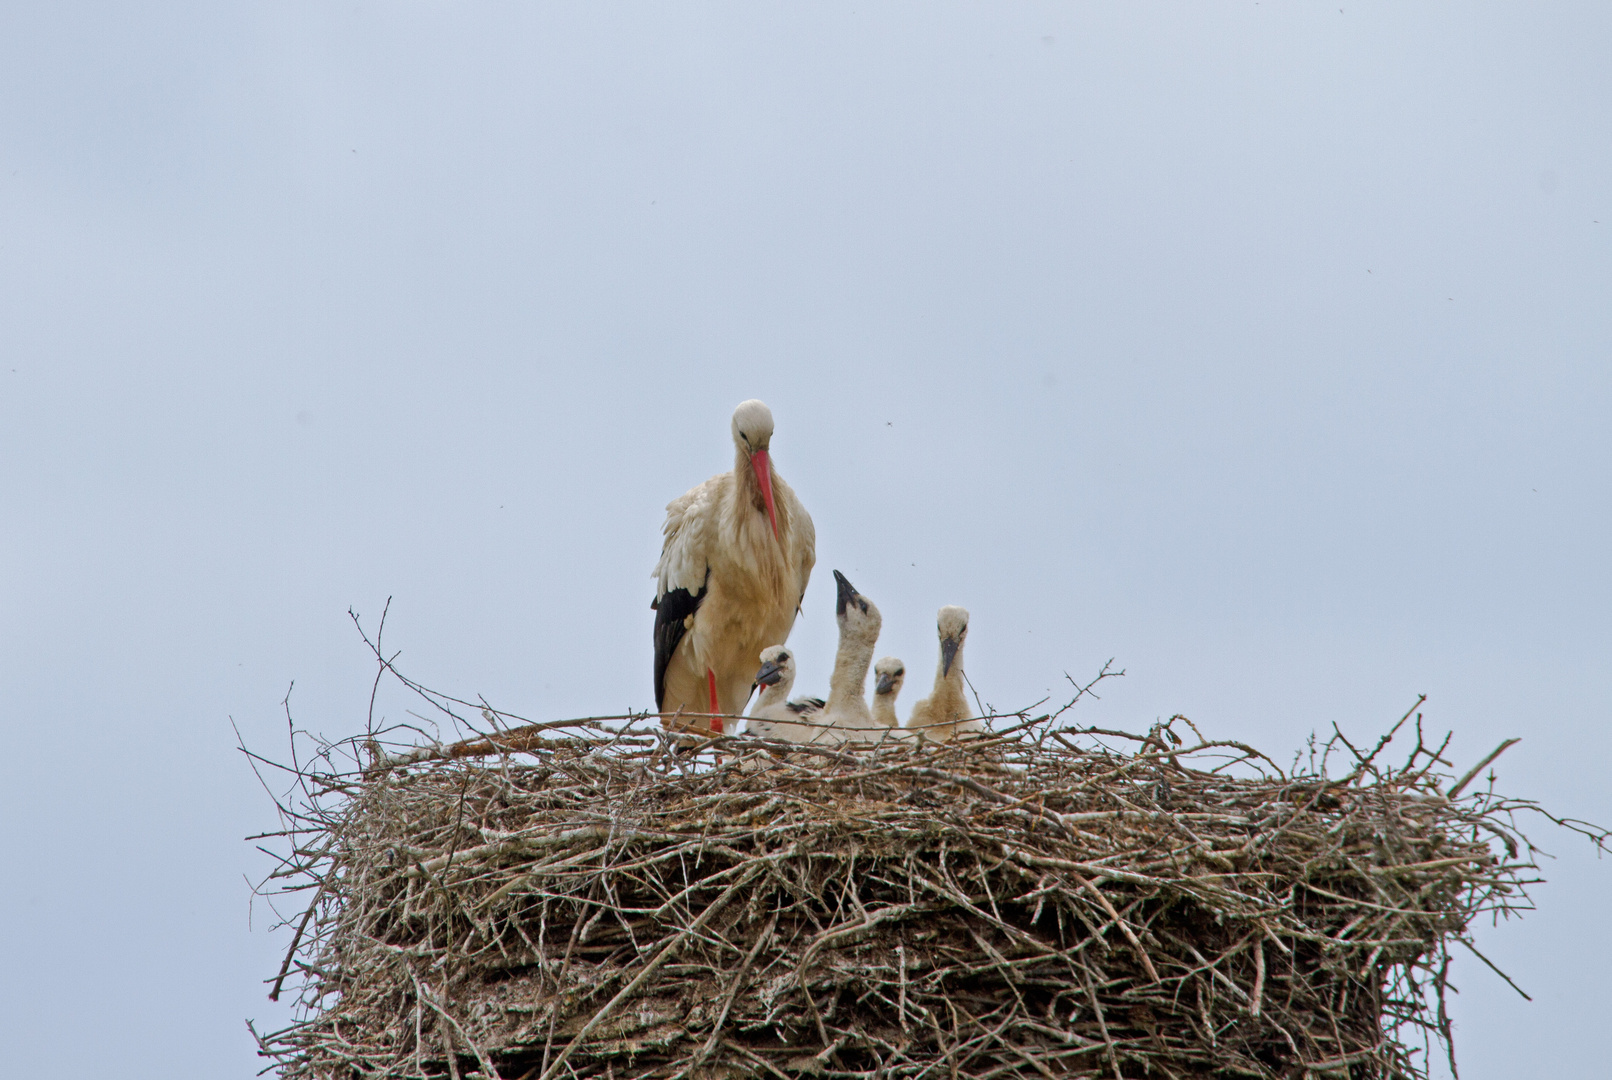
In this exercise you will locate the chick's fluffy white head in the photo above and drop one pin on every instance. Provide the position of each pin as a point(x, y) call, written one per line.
point(889, 673)
point(777, 667)
point(953, 622)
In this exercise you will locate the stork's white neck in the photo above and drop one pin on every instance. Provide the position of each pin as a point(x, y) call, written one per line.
point(748, 504)
point(745, 473)
point(951, 681)
point(774, 695)
point(884, 710)
point(851, 663)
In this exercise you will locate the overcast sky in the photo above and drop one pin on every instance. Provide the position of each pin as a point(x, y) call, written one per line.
point(1263, 347)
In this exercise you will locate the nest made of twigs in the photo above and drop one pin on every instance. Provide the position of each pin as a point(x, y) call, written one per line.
point(1026, 905)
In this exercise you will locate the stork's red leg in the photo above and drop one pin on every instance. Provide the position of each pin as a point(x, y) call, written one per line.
point(716, 721)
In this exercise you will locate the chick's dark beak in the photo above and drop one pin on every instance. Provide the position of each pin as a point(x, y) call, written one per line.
point(948, 653)
point(769, 674)
point(886, 681)
point(847, 593)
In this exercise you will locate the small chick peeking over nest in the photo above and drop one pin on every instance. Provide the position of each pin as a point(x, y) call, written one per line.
point(945, 713)
point(774, 716)
point(888, 675)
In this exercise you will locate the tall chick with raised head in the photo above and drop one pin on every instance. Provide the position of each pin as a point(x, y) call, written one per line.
point(733, 570)
point(847, 710)
point(944, 714)
point(888, 675)
point(774, 716)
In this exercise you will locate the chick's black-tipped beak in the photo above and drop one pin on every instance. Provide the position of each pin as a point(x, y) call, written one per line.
point(847, 593)
point(884, 684)
point(948, 653)
point(769, 674)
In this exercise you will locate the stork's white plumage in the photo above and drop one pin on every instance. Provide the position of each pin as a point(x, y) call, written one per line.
point(944, 714)
point(847, 710)
point(732, 573)
point(888, 675)
point(774, 716)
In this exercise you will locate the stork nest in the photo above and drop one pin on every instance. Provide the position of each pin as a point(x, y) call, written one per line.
point(611, 903)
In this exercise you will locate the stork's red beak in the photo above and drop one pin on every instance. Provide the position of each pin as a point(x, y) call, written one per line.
point(758, 462)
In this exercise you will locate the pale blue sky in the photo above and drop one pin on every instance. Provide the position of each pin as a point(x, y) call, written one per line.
point(1266, 348)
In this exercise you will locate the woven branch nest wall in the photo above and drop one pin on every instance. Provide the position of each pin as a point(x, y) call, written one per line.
point(611, 905)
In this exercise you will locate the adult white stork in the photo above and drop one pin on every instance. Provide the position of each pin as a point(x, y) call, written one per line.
point(944, 714)
point(732, 573)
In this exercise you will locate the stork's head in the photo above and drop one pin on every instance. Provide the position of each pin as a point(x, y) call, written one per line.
point(752, 426)
point(752, 434)
point(890, 673)
point(857, 616)
point(953, 627)
point(777, 668)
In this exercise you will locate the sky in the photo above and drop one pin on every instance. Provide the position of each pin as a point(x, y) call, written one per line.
point(1265, 348)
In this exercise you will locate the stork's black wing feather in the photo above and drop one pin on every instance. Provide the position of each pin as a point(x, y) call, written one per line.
point(671, 613)
point(806, 705)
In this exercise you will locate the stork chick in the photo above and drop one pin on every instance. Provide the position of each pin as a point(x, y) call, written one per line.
point(888, 675)
point(733, 570)
point(847, 710)
point(944, 714)
point(774, 716)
